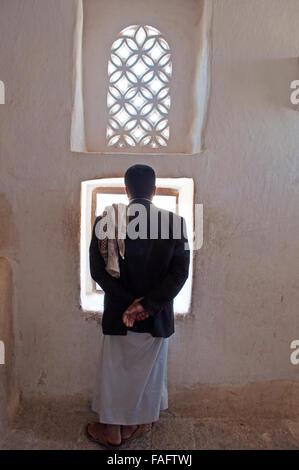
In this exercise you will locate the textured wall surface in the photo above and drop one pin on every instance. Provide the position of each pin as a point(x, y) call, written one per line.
point(245, 298)
point(8, 389)
point(185, 25)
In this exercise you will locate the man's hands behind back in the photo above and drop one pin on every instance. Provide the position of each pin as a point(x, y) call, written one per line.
point(134, 312)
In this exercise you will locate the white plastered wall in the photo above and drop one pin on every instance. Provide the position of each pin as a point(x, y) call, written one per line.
point(245, 291)
point(98, 25)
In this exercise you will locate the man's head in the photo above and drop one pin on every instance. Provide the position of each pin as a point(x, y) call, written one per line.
point(140, 181)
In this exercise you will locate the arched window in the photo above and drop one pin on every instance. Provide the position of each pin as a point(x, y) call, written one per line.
point(138, 98)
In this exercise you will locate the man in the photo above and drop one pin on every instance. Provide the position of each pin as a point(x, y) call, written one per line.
point(138, 318)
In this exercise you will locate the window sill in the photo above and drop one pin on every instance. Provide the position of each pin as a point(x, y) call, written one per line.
point(139, 152)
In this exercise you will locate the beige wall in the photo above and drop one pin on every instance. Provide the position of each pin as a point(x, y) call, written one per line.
point(245, 301)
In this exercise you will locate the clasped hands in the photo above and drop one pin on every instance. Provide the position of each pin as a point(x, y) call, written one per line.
point(134, 312)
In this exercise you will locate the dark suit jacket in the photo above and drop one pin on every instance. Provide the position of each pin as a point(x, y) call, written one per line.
point(155, 269)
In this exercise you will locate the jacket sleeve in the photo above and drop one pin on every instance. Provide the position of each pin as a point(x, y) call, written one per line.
point(174, 280)
point(110, 285)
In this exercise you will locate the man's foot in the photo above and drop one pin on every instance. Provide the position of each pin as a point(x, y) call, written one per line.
point(113, 433)
point(105, 433)
point(127, 431)
point(140, 430)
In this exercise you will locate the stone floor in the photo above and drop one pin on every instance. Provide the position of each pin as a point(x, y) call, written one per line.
point(204, 418)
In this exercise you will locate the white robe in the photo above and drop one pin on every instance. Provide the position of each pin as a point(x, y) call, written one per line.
point(131, 382)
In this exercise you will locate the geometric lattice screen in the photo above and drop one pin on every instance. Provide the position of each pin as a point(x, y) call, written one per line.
point(138, 97)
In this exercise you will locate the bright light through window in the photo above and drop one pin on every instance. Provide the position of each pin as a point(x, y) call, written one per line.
point(174, 194)
point(103, 200)
point(138, 97)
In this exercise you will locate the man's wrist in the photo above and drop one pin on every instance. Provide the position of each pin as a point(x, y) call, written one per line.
point(148, 306)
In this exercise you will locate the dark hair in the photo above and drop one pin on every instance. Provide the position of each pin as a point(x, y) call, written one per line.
point(140, 181)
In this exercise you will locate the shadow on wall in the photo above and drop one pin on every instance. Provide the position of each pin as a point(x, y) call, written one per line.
point(9, 396)
point(8, 232)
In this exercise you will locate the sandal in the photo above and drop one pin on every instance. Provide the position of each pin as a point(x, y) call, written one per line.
point(102, 439)
point(140, 431)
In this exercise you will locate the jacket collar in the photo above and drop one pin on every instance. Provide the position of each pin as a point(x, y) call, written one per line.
point(140, 200)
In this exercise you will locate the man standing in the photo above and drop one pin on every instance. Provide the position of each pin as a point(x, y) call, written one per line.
point(138, 318)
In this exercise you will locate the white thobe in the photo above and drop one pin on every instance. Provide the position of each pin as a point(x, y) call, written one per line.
point(131, 381)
